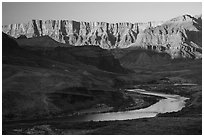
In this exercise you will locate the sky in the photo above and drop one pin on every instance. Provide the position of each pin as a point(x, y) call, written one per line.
point(22, 12)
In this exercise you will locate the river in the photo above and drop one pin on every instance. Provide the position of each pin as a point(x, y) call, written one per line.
point(170, 103)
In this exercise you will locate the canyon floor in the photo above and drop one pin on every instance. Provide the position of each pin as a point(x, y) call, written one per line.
point(42, 86)
point(188, 121)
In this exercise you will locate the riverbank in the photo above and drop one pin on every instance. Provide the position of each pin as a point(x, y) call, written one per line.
point(187, 121)
point(138, 101)
point(145, 126)
point(36, 127)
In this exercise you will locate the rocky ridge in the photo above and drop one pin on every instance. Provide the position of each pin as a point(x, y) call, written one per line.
point(179, 37)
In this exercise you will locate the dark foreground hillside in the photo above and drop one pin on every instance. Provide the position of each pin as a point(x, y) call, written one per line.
point(39, 83)
point(43, 85)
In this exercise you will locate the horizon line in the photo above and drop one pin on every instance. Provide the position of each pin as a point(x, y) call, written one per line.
point(99, 21)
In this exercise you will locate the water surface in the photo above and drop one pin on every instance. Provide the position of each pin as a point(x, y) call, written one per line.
point(171, 103)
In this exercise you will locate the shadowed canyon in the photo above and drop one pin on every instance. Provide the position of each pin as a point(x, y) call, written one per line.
point(56, 70)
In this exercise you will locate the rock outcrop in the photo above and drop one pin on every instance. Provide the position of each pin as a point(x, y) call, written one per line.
point(179, 37)
point(107, 35)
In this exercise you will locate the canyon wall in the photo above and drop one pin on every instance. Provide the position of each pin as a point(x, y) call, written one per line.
point(179, 37)
point(107, 35)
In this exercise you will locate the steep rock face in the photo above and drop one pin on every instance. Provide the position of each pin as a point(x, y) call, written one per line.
point(179, 37)
point(107, 35)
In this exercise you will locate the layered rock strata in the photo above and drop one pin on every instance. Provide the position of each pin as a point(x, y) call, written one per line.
point(179, 37)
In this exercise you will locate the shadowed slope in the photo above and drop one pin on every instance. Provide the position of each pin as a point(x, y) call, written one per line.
point(133, 57)
point(89, 55)
point(39, 83)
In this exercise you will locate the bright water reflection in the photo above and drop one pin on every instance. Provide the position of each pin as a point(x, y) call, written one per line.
point(171, 103)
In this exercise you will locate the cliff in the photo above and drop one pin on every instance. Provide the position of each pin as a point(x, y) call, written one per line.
point(179, 37)
point(107, 35)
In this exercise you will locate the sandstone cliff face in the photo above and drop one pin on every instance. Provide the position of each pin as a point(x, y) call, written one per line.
point(107, 35)
point(179, 37)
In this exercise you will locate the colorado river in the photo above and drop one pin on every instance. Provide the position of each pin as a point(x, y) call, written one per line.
point(171, 103)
